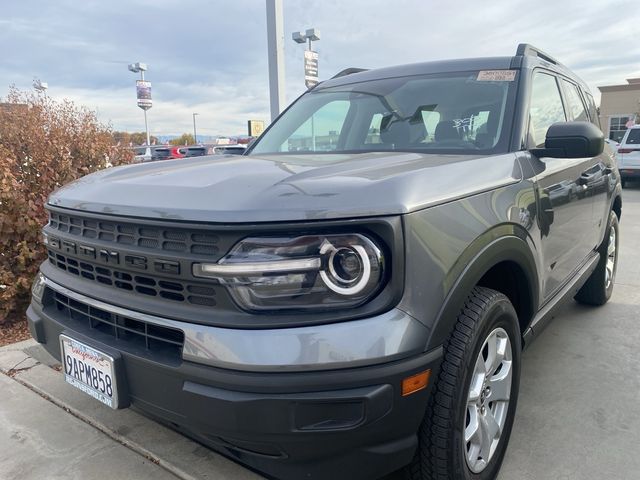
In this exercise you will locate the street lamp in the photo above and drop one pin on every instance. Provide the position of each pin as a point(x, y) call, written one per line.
point(145, 104)
point(40, 86)
point(310, 57)
point(310, 66)
point(311, 34)
point(195, 135)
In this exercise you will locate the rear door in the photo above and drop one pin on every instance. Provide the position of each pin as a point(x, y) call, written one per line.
point(596, 179)
point(565, 201)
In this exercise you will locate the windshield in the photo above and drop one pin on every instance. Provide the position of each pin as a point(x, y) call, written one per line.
point(442, 113)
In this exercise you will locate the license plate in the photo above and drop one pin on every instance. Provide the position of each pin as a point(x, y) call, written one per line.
point(89, 370)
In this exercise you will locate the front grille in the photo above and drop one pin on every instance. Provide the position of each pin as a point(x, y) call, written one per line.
point(137, 333)
point(172, 290)
point(130, 234)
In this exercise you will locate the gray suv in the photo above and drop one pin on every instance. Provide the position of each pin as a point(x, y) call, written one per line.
point(352, 296)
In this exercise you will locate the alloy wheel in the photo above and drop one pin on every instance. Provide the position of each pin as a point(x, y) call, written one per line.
point(611, 258)
point(488, 400)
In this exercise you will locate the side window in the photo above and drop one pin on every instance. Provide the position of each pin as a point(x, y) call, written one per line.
point(575, 107)
point(593, 111)
point(545, 107)
point(634, 137)
point(373, 134)
point(321, 131)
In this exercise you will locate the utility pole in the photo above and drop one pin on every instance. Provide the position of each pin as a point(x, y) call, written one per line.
point(275, 47)
point(195, 135)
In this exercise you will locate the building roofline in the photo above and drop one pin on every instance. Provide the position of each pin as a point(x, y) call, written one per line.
point(619, 88)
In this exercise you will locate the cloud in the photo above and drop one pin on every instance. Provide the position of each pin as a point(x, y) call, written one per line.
point(210, 57)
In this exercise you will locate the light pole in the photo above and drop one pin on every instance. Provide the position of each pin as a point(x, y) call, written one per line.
point(195, 135)
point(311, 34)
point(143, 103)
point(310, 57)
point(310, 66)
point(40, 86)
point(275, 50)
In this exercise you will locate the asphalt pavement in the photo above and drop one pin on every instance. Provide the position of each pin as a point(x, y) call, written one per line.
point(577, 418)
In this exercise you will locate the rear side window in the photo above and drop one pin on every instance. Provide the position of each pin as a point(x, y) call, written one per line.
point(575, 108)
point(634, 137)
point(545, 107)
point(593, 112)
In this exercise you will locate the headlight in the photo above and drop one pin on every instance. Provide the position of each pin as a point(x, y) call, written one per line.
point(311, 271)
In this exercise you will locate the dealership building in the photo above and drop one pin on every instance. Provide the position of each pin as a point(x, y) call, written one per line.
point(619, 107)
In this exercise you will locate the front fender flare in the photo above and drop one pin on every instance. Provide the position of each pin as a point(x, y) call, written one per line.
point(510, 248)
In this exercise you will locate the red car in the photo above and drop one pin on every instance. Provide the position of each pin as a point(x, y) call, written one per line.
point(169, 152)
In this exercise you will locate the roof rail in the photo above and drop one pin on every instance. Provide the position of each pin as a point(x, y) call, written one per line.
point(349, 71)
point(525, 49)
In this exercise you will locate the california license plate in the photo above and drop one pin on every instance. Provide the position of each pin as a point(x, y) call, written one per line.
point(89, 370)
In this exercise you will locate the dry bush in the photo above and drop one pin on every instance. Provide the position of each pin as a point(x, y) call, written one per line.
point(44, 144)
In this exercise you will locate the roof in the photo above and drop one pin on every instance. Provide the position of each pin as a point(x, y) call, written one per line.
point(632, 84)
point(526, 57)
point(423, 68)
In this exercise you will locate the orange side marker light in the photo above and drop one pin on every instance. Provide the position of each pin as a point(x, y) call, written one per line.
point(415, 383)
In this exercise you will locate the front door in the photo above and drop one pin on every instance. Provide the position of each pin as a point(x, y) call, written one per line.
point(565, 200)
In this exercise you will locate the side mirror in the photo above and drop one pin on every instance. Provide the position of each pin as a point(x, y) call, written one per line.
point(571, 140)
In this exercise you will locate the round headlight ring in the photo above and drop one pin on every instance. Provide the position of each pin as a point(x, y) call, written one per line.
point(338, 271)
point(333, 281)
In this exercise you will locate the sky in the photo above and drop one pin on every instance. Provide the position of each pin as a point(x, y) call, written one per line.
point(210, 57)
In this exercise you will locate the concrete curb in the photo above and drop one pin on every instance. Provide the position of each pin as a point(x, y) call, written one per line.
point(31, 366)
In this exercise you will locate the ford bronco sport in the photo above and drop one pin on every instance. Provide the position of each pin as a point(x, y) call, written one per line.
point(351, 296)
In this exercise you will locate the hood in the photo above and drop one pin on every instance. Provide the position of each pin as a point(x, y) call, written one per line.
point(241, 189)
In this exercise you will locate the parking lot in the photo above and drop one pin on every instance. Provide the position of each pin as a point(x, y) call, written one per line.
point(577, 415)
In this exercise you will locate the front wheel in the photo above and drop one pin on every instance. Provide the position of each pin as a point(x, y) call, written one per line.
point(466, 429)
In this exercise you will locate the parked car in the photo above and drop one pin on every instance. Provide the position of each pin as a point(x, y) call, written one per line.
point(628, 155)
point(338, 304)
point(169, 152)
point(230, 149)
point(612, 144)
point(195, 151)
point(142, 154)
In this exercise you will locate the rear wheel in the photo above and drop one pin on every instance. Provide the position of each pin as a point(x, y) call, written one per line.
point(599, 287)
point(468, 422)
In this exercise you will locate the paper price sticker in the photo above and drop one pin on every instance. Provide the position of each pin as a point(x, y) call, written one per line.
point(496, 75)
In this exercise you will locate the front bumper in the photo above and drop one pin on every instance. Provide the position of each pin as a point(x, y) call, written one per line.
point(349, 422)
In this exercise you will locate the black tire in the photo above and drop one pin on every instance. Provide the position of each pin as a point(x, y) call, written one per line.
point(441, 452)
point(597, 291)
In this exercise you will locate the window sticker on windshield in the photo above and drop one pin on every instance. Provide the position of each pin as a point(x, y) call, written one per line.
point(496, 76)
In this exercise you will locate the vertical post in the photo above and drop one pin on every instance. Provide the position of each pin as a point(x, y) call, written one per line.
point(313, 129)
point(146, 127)
point(275, 47)
point(195, 135)
point(146, 124)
